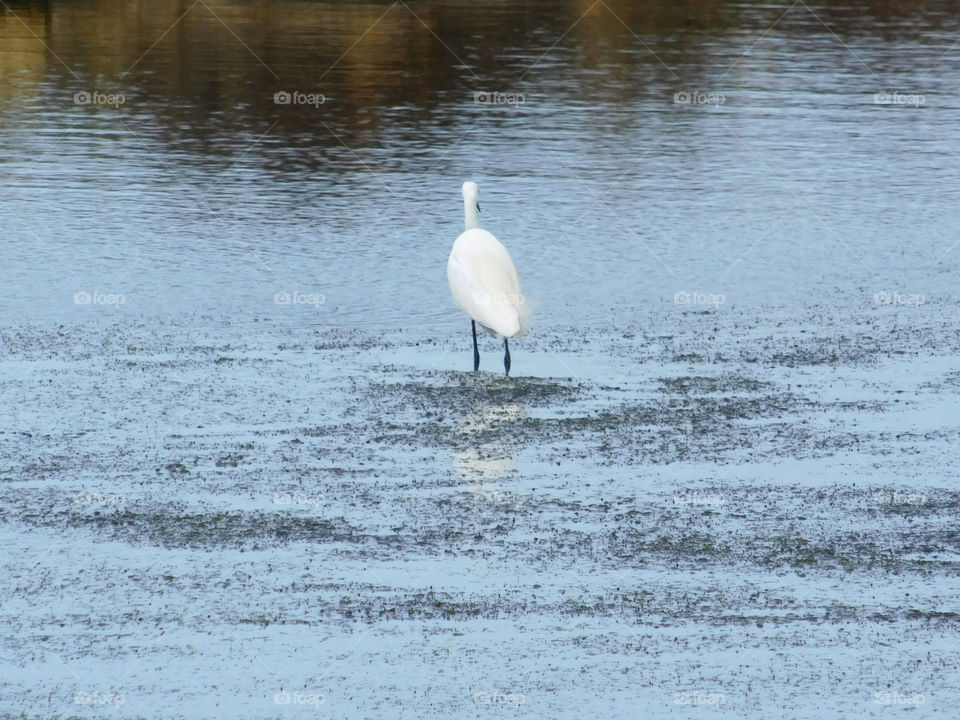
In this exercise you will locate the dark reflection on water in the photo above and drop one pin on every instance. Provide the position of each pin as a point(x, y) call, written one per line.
point(200, 191)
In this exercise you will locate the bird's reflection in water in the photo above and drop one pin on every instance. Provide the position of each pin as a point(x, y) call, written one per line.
point(488, 447)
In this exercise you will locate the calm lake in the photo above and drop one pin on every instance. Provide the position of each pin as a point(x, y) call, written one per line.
point(772, 154)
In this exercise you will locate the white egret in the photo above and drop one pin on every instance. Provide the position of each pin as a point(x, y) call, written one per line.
point(483, 280)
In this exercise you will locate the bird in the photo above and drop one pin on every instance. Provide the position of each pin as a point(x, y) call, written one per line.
point(483, 280)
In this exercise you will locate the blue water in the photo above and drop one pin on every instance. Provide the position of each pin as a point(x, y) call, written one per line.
point(723, 466)
point(199, 195)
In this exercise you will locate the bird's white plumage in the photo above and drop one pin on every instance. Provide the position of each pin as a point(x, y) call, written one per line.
point(482, 277)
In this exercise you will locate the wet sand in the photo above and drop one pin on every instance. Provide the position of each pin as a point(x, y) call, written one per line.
point(727, 517)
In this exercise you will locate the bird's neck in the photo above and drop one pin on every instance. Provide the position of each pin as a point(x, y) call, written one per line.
point(471, 220)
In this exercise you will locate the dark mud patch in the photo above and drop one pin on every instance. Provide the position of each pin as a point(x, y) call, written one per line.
point(456, 391)
point(757, 529)
point(702, 385)
point(727, 417)
point(180, 528)
point(636, 607)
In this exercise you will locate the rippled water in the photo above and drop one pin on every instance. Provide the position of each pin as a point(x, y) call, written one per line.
point(783, 181)
point(722, 476)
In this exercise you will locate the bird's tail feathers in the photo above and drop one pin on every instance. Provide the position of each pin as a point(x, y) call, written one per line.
point(525, 309)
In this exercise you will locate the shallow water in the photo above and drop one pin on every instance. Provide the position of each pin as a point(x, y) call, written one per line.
point(735, 524)
point(721, 482)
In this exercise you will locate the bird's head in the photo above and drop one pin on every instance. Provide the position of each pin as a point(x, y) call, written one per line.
point(471, 205)
point(471, 195)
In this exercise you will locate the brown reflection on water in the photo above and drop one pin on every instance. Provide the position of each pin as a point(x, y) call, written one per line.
point(211, 69)
point(23, 59)
point(383, 45)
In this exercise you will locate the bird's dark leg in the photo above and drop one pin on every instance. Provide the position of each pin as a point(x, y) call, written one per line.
point(506, 357)
point(476, 353)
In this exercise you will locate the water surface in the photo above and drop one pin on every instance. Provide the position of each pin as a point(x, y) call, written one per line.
point(240, 451)
point(199, 194)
